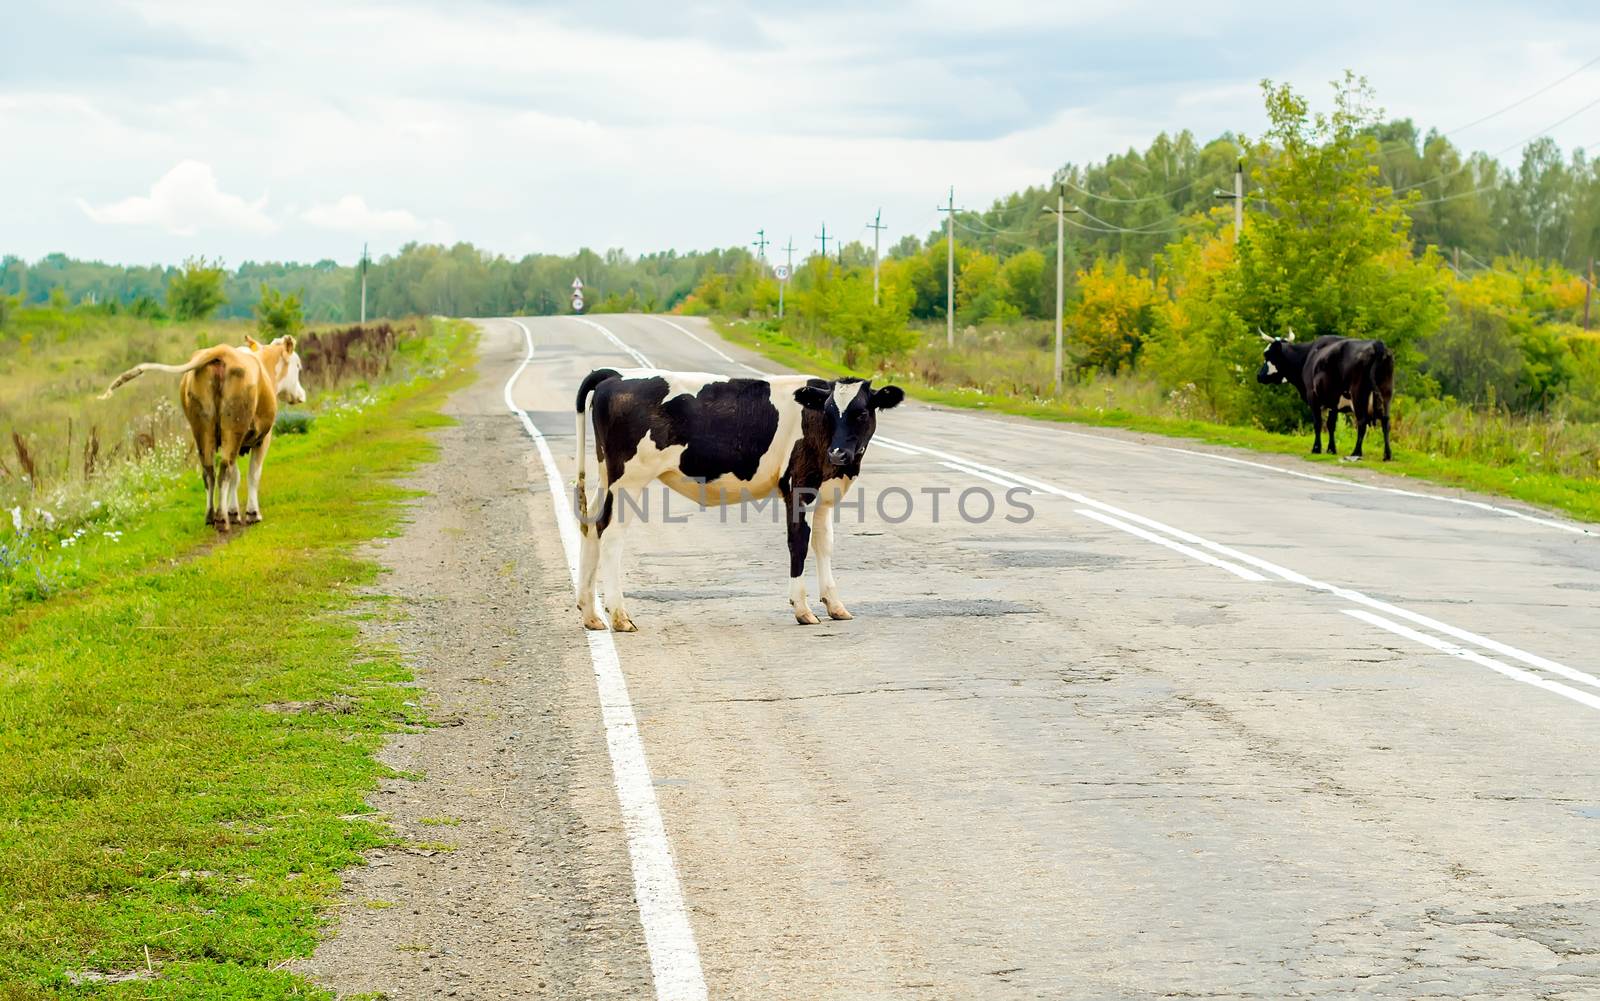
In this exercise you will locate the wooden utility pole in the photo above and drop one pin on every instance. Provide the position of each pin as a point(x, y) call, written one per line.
point(950, 271)
point(788, 272)
point(1060, 213)
point(1588, 295)
point(1237, 197)
point(877, 231)
point(363, 283)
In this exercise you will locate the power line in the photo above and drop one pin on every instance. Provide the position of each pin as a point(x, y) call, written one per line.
point(1519, 103)
point(1469, 162)
point(1132, 201)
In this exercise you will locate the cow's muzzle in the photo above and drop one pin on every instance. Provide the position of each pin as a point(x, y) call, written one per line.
point(839, 456)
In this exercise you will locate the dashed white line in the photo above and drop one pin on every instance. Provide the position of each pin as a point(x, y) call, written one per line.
point(674, 957)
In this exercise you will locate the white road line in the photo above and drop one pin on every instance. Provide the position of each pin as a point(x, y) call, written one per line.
point(982, 476)
point(974, 467)
point(892, 448)
point(1292, 576)
point(674, 957)
point(1398, 491)
point(709, 346)
point(1515, 673)
point(641, 359)
point(1233, 568)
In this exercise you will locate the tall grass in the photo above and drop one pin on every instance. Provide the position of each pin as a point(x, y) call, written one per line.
point(72, 464)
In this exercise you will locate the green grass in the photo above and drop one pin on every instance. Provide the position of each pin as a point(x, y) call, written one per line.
point(148, 801)
point(1510, 476)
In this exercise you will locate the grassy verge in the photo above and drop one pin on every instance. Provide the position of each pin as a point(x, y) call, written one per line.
point(186, 735)
point(1574, 495)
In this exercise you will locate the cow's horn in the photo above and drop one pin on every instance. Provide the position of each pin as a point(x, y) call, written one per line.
point(1263, 334)
point(1291, 333)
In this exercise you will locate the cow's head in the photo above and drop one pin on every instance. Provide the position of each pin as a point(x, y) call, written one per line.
point(849, 409)
point(286, 367)
point(1274, 359)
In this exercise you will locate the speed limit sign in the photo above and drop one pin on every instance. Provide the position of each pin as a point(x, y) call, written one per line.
point(782, 271)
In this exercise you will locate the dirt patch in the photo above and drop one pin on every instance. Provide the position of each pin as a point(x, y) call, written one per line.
point(512, 878)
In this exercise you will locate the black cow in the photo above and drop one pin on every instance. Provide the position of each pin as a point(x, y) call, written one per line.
point(719, 440)
point(1335, 374)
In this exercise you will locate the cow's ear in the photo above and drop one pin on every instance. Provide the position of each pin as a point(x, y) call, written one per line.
point(811, 397)
point(252, 343)
point(887, 397)
point(288, 344)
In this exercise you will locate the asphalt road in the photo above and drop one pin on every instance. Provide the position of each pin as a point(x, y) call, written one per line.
point(1204, 725)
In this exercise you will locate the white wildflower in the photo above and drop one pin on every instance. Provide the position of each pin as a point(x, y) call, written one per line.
point(16, 518)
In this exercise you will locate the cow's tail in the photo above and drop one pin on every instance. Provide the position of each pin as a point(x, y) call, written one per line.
point(590, 381)
point(1379, 381)
point(201, 359)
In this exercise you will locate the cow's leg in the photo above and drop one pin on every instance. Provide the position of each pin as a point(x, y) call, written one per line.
point(1384, 420)
point(822, 546)
point(621, 502)
point(1333, 424)
point(233, 493)
point(1316, 430)
point(589, 563)
point(1363, 418)
point(258, 459)
point(799, 537)
point(208, 473)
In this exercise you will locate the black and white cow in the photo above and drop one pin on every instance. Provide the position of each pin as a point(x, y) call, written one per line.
point(718, 440)
point(1336, 374)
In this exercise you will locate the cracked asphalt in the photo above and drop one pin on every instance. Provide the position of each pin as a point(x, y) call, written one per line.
point(1046, 760)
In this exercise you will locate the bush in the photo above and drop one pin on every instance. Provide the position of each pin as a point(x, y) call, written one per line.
point(277, 314)
point(195, 292)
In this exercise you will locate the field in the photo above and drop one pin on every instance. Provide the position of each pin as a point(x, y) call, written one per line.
point(1543, 460)
point(187, 724)
point(75, 469)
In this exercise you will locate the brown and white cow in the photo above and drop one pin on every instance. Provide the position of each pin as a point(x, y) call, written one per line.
point(230, 397)
point(719, 440)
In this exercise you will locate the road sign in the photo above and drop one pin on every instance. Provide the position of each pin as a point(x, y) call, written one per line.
point(577, 284)
point(577, 302)
point(782, 271)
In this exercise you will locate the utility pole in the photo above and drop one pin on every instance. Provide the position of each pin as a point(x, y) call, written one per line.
point(950, 270)
point(1588, 294)
point(787, 271)
point(364, 283)
point(1060, 213)
point(1237, 197)
point(824, 239)
point(760, 243)
point(877, 231)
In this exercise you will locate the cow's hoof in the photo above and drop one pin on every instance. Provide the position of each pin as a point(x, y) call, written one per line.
point(211, 518)
point(838, 611)
point(594, 622)
point(1316, 451)
point(252, 517)
point(806, 618)
point(623, 624)
point(233, 516)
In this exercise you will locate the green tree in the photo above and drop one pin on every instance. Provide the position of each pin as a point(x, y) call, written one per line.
point(195, 292)
point(278, 314)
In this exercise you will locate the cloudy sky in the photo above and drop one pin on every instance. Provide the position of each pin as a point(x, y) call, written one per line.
point(147, 131)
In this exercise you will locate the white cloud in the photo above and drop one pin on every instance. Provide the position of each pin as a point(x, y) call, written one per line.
point(351, 214)
point(185, 201)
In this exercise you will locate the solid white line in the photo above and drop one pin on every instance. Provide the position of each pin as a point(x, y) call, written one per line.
point(1009, 485)
point(1294, 577)
point(1398, 491)
point(674, 957)
point(641, 359)
point(1232, 568)
point(709, 346)
point(1515, 673)
point(893, 448)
